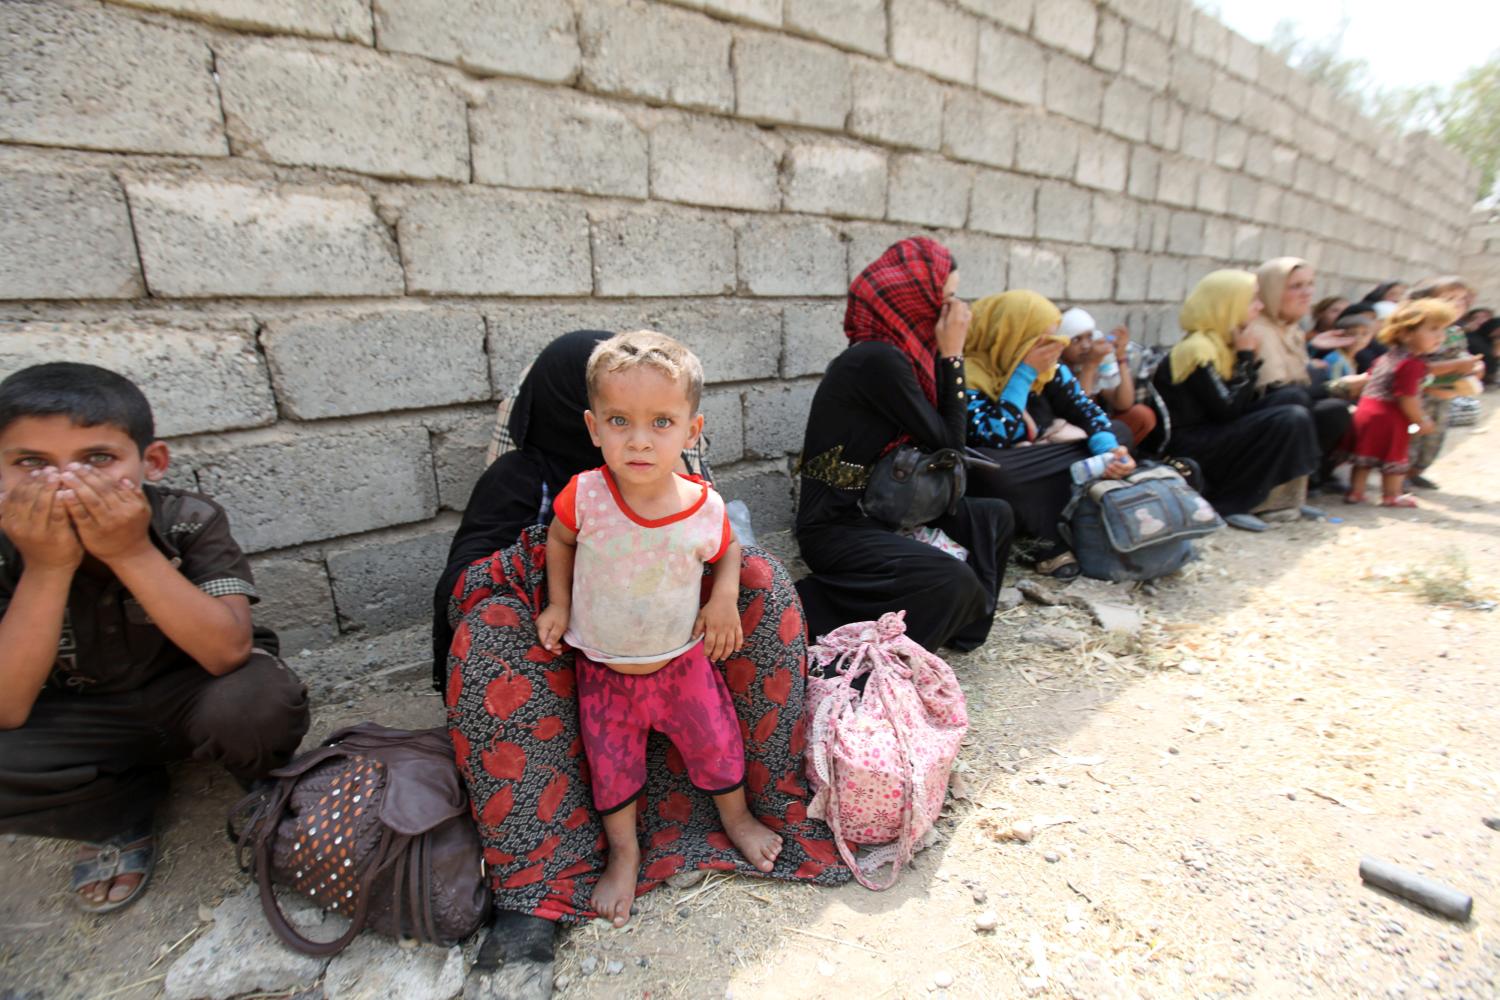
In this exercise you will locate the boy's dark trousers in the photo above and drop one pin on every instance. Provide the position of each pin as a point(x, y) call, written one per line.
point(86, 767)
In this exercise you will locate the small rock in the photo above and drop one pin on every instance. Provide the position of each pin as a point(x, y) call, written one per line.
point(1051, 857)
point(942, 979)
point(986, 921)
point(1188, 968)
point(1196, 797)
point(589, 965)
point(1023, 830)
point(1008, 598)
point(1493, 822)
point(1291, 793)
point(643, 962)
point(1190, 667)
point(980, 895)
point(1057, 637)
point(562, 981)
point(614, 967)
point(1173, 751)
point(686, 880)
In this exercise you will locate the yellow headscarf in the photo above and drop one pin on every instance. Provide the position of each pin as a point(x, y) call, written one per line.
point(1002, 329)
point(1216, 308)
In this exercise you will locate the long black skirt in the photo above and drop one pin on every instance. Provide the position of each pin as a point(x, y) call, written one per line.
point(861, 570)
point(1245, 459)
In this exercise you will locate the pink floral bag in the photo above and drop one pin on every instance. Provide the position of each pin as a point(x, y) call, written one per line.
point(879, 761)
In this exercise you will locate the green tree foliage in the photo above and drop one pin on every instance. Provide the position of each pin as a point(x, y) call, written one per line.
point(1469, 118)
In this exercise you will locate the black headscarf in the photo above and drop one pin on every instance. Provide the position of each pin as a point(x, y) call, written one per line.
point(1378, 293)
point(552, 446)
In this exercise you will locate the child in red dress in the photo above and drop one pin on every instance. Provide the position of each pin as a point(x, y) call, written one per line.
point(1392, 400)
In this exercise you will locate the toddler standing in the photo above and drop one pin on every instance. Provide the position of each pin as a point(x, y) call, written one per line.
point(625, 558)
point(1392, 399)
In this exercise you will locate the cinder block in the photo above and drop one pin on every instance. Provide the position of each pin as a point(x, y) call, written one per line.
point(776, 418)
point(1145, 166)
point(711, 161)
point(346, 20)
point(202, 238)
point(724, 425)
point(1152, 234)
point(290, 487)
point(92, 78)
point(766, 490)
point(983, 261)
point(1062, 212)
point(895, 106)
point(1148, 58)
point(1199, 135)
point(1109, 51)
point(812, 336)
point(785, 256)
point(934, 37)
point(929, 191)
point(1192, 79)
point(1046, 144)
point(867, 242)
point(834, 178)
point(1004, 204)
point(460, 440)
point(205, 378)
point(1158, 15)
point(656, 53)
point(1185, 233)
point(1103, 162)
point(315, 109)
point(470, 241)
point(1132, 273)
point(1244, 58)
point(779, 79)
point(1168, 280)
point(1091, 274)
point(1010, 66)
point(296, 600)
point(658, 252)
point(1037, 268)
point(1127, 109)
point(1213, 190)
point(755, 11)
point(1074, 89)
point(1178, 182)
point(1067, 24)
point(1218, 238)
point(1115, 220)
point(851, 24)
point(737, 340)
point(544, 137)
point(1165, 127)
point(979, 129)
point(530, 38)
point(1011, 13)
point(65, 235)
point(384, 585)
point(1232, 146)
point(1228, 97)
point(325, 364)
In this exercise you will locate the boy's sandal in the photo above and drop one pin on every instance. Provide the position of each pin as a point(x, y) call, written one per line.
point(1404, 500)
point(132, 852)
point(1354, 498)
point(1060, 567)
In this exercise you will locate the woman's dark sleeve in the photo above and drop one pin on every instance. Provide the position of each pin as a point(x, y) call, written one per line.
point(1070, 402)
point(888, 385)
point(1223, 401)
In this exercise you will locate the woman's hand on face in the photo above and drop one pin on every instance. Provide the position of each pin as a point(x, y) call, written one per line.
point(1122, 342)
point(952, 328)
point(1043, 355)
point(1122, 465)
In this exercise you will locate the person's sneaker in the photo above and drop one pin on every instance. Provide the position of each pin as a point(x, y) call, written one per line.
point(1246, 522)
point(1421, 482)
point(1311, 513)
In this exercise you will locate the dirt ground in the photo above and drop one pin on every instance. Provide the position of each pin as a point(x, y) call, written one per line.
point(1201, 798)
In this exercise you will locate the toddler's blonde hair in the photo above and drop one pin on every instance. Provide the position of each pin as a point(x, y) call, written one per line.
point(1413, 314)
point(625, 351)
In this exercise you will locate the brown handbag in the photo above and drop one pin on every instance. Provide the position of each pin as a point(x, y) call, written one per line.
point(374, 825)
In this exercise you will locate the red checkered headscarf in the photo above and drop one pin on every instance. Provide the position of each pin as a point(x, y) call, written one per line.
point(897, 300)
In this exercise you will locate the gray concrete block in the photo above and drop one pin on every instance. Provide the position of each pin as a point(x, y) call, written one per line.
point(1046, 144)
point(1231, 147)
point(1185, 233)
point(786, 80)
point(724, 425)
point(1228, 98)
point(1132, 276)
point(386, 584)
point(296, 600)
point(1199, 135)
point(1074, 89)
point(1148, 58)
point(1244, 58)
point(93, 78)
point(754, 11)
point(983, 261)
point(1218, 238)
point(1109, 49)
point(1103, 162)
point(868, 242)
point(1145, 169)
point(530, 38)
point(289, 487)
point(1062, 212)
point(737, 340)
point(1037, 268)
point(470, 241)
point(929, 191)
point(1115, 220)
point(1213, 190)
point(834, 178)
point(460, 440)
point(65, 235)
point(934, 37)
point(1165, 127)
point(326, 363)
point(766, 489)
point(656, 53)
point(198, 378)
point(202, 238)
point(1168, 279)
point(812, 336)
point(776, 418)
point(1127, 109)
point(543, 137)
point(711, 161)
point(786, 256)
point(1011, 66)
point(658, 252)
point(1091, 274)
point(979, 129)
point(346, 20)
point(1247, 242)
point(1004, 204)
point(1192, 79)
point(316, 109)
point(1177, 183)
point(850, 24)
point(1068, 25)
point(895, 106)
point(1158, 15)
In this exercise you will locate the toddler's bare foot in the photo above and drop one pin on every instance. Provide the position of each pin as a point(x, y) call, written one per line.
point(615, 891)
point(757, 842)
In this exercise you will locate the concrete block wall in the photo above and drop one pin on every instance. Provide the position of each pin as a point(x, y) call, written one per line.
point(327, 235)
point(1481, 253)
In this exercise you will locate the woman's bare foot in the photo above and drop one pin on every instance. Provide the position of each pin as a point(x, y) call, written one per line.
point(615, 891)
point(760, 845)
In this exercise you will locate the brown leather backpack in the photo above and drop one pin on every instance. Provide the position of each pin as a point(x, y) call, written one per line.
point(374, 825)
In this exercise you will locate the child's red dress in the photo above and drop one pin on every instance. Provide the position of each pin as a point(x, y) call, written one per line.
point(1380, 428)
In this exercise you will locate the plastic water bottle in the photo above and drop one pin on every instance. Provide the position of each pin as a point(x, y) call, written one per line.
point(1088, 469)
point(1109, 368)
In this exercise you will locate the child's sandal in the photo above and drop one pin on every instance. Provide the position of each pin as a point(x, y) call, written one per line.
point(1354, 498)
point(1404, 500)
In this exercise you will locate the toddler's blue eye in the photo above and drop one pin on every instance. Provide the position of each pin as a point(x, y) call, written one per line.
point(664, 421)
point(617, 421)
